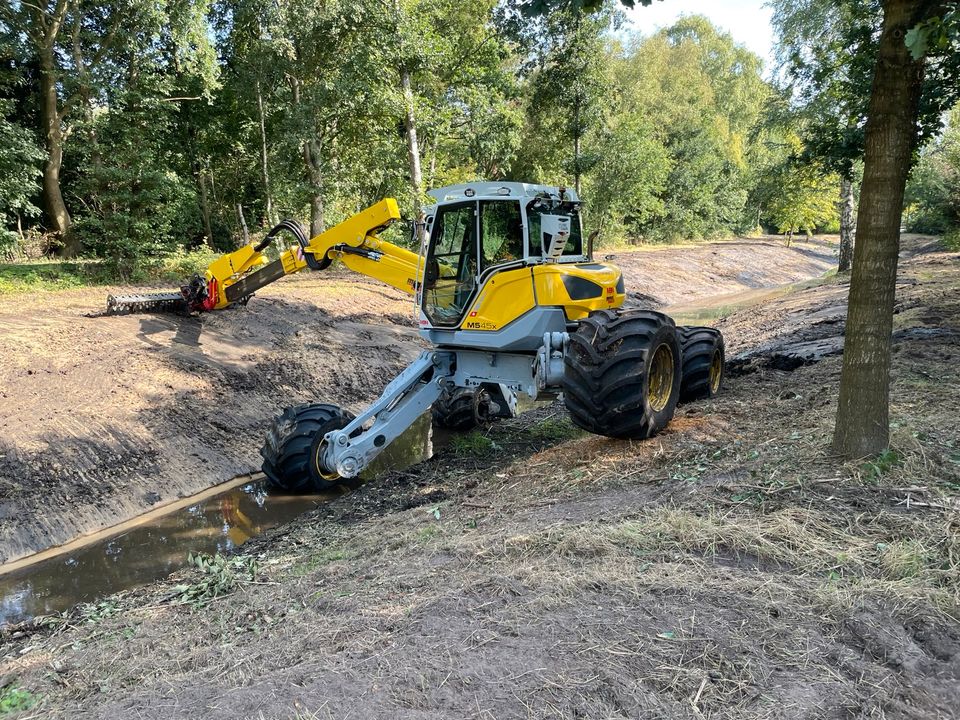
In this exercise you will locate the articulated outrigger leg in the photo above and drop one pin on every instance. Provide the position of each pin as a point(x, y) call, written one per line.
point(407, 397)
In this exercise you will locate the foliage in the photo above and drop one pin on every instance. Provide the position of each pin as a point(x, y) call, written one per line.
point(933, 192)
point(19, 169)
point(807, 203)
point(15, 699)
point(220, 576)
point(826, 51)
point(178, 117)
point(473, 443)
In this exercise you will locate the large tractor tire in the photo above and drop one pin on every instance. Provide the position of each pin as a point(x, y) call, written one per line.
point(294, 444)
point(462, 409)
point(622, 373)
point(703, 357)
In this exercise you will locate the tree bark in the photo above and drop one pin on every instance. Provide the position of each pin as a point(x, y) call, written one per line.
point(205, 207)
point(264, 173)
point(243, 225)
point(311, 155)
point(846, 225)
point(576, 156)
point(862, 425)
point(53, 137)
point(413, 145)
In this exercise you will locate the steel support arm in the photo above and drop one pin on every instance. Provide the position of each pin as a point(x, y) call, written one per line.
point(407, 397)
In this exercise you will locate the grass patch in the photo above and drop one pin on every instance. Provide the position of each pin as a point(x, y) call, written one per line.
point(15, 699)
point(319, 559)
point(952, 240)
point(48, 275)
point(472, 443)
point(554, 430)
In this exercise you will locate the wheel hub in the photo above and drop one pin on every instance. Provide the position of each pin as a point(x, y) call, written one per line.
point(716, 372)
point(660, 381)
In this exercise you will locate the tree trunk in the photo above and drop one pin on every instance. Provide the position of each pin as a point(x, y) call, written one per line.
point(311, 155)
point(205, 207)
point(243, 225)
point(576, 161)
point(264, 174)
point(862, 426)
point(413, 145)
point(846, 225)
point(433, 160)
point(53, 138)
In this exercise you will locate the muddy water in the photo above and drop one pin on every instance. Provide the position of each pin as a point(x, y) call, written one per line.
point(140, 552)
point(710, 309)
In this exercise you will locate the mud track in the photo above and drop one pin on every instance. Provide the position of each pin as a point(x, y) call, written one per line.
point(728, 568)
point(102, 418)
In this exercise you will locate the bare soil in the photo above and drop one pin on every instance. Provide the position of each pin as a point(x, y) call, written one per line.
point(102, 418)
point(728, 568)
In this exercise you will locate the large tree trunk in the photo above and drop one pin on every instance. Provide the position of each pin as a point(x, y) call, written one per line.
point(413, 145)
point(311, 155)
point(862, 426)
point(846, 225)
point(205, 207)
point(53, 138)
point(264, 174)
point(576, 163)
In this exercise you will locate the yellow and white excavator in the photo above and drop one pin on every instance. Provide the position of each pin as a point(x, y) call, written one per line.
point(513, 304)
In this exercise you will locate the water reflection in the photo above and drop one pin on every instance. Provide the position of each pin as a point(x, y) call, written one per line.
point(153, 550)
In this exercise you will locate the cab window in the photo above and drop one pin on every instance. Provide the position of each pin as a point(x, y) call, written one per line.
point(450, 276)
point(501, 232)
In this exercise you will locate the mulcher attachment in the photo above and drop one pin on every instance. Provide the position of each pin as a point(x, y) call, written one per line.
point(191, 298)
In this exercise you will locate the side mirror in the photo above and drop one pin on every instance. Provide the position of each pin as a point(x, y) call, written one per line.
point(554, 233)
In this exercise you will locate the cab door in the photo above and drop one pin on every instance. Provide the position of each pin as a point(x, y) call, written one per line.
point(450, 280)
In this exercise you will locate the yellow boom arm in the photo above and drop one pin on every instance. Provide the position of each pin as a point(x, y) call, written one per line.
point(354, 242)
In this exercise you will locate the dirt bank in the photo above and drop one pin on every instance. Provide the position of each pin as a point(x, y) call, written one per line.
point(103, 418)
point(729, 568)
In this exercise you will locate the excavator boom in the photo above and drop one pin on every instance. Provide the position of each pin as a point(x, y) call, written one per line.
point(233, 277)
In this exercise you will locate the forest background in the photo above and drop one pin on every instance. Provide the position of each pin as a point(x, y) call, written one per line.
point(136, 131)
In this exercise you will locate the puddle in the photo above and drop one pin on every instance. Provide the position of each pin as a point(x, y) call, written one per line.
point(710, 309)
point(141, 552)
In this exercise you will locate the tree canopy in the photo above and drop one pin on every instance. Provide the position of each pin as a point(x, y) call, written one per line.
point(132, 129)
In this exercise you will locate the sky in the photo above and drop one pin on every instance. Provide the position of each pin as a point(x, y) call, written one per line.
point(748, 21)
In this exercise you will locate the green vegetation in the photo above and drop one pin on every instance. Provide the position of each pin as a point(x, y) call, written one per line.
point(176, 124)
point(472, 443)
point(15, 699)
point(873, 470)
point(49, 275)
point(219, 576)
point(554, 430)
point(933, 193)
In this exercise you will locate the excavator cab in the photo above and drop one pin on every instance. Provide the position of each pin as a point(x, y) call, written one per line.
point(511, 303)
point(480, 231)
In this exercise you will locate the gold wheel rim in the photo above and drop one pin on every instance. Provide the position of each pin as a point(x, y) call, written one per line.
point(325, 474)
point(660, 384)
point(716, 371)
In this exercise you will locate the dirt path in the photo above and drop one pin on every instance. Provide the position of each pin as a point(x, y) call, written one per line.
point(729, 568)
point(103, 418)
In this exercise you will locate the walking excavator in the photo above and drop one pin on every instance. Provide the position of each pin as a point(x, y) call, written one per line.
point(512, 302)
